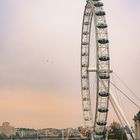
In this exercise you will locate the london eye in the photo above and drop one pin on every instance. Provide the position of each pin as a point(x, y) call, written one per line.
point(95, 37)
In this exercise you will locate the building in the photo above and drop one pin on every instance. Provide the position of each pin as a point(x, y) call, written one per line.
point(7, 130)
point(26, 132)
point(137, 126)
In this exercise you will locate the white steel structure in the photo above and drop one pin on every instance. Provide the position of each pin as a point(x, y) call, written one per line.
point(94, 20)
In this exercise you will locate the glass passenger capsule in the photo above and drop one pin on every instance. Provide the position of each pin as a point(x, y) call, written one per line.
point(102, 25)
point(103, 41)
point(104, 75)
point(85, 33)
point(103, 94)
point(84, 54)
point(98, 4)
point(86, 99)
point(100, 133)
point(103, 110)
point(84, 43)
point(99, 137)
point(87, 118)
point(104, 58)
point(84, 77)
point(85, 88)
point(100, 13)
point(86, 109)
point(86, 23)
point(84, 65)
point(101, 123)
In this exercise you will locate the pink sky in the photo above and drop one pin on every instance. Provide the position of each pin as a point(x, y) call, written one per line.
point(40, 59)
point(28, 108)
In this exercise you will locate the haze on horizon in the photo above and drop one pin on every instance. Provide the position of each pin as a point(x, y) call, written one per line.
point(40, 59)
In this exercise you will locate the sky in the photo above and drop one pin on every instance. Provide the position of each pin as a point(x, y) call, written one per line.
point(40, 59)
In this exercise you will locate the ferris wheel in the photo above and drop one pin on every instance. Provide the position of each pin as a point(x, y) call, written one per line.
point(95, 36)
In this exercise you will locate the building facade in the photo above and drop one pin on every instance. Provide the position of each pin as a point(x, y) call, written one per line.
point(7, 130)
point(137, 126)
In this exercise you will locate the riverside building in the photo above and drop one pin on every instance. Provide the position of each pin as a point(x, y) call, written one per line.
point(7, 130)
point(137, 126)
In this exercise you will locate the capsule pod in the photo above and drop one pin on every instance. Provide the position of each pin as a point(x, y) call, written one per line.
point(103, 110)
point(100, 13)
point(98, 137)
point(84, 65)
point(85, 33)
point(87, 118)
point(102, 25)
point(86, 109)
point(86, 23)
point(101, 123)
point(98, 4)
point(85, 88)
point(84, 43)
point(104, 58)
point(103, 41)
point(103, 94)
point(84, 77)
point(84, 54)
point(86, 99)
point(104, 75)
point(100, 133)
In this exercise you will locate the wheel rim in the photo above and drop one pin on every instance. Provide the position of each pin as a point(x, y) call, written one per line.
point(94, 13)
